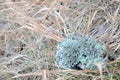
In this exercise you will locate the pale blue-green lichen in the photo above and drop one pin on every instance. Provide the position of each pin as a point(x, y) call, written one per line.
point(80, 52)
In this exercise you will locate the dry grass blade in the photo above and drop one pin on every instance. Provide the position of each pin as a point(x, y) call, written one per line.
point(39, 27)
point(118, 47)
point(45, 75)
point(90, 22)
point(100, 69)
point(51, 7)
point(29, 74)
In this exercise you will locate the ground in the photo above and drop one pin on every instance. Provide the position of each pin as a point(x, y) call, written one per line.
point(31, 29)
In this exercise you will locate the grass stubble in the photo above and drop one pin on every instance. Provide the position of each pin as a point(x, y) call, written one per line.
point(30, 29)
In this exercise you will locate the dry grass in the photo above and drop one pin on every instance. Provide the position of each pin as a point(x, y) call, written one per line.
point(30, 29)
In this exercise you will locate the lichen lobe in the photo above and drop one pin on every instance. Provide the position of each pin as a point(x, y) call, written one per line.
point(80, 52)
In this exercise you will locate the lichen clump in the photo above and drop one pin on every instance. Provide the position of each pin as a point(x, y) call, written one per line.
point(80, 52)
